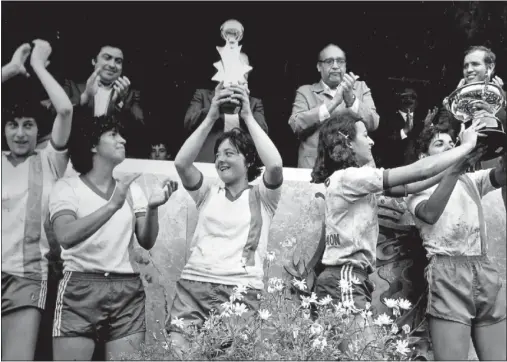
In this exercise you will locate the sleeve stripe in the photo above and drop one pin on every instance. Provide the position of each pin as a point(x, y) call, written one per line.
point(385, 180)
point(140, 214)
point(196, 186)
point(493, 180)
point(269, 186)
point(59, 149)
point(61, 213)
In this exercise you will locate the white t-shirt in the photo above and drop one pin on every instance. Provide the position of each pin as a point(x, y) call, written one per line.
point(108, 250)
point(457, 231)
point(231, 237)
point(15, 186)
point(351, 216)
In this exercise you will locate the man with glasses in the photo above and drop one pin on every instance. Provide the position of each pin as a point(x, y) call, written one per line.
point(336, 92)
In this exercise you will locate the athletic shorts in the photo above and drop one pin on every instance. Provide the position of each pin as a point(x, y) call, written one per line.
point(195, 300)
point(102, 307)
point(328, 283)
point(466, 290)
point(19, 292)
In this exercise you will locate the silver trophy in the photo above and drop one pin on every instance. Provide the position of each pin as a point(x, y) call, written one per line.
point(233, 68)
point(462, 103)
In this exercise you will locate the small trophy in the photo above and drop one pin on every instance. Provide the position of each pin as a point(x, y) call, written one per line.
point(461, 103)
point(233, 67)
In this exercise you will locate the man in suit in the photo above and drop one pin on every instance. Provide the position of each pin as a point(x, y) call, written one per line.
point(336, 92)
point(396, 137)
point(197, 111)
point(108, 92)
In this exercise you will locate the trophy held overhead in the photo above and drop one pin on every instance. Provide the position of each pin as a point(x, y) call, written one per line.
point(233, 68)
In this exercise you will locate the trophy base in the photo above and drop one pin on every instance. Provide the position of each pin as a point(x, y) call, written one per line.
point(496, 142)
point(229, 108)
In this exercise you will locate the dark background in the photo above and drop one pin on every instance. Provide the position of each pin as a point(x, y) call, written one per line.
point(169, 49)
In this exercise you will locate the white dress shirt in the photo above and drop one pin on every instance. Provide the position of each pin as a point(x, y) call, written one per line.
point(404, 115)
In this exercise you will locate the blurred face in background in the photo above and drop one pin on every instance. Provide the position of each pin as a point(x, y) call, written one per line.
point(159, 152)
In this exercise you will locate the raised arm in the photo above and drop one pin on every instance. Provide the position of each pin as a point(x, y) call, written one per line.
point(266, 149)
point(147, 225)
point(61, 102)
point(433, 165)
point(17, 64)
point(184, 161)
point(430, 210)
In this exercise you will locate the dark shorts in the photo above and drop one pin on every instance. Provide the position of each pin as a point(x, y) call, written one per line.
point(103, 308)
point(195, 300)
point(466, 290)
point(328, 283)
point(19, 292)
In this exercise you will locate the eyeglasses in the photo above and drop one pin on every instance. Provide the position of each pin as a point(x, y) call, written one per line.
point(331, 61)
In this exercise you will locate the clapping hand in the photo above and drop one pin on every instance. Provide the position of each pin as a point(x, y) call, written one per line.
point(121, 87)
point(40, 53)
point(19, 58)
point(161, 193)
point(121, 190)
point(430, 116)
point(348, 82)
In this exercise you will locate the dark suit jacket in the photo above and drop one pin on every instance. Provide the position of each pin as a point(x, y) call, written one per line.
point(390, 150)
point(130, 114)
point(199, 108)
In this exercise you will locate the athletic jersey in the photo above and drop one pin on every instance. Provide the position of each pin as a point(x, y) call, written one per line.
point(352, 216)
point(25, 219)
point(109, 249)
point(231, 237)
point(458, 230)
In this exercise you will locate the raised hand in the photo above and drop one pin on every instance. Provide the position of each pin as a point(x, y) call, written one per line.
point(469, 136)
point(430, 116)
point(241, 97)
point(121, 87)
point(40, 53)
point(467, 162)
point(162, 192)
point(349, 79)
point(19, 58)
point(121, 190)
point(498, 81)
point(92, 86)
point(222, 95)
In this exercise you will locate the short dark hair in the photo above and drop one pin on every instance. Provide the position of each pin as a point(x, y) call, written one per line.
point(28, 109)
point(109, 43)
point(333, 150)
point(430, 131)
point(86, 133)
point(245, 145)
point(489, 56)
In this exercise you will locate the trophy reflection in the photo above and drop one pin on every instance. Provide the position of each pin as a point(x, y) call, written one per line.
point(233, 67)
point(463, 104)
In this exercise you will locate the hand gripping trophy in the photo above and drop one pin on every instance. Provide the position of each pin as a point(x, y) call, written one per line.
point(233, 67)
point(463, 102)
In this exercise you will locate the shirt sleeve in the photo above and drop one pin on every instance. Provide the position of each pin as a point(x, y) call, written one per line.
point(355, 106)
point(270, 195)
point(415, 199)
point(63, 200)
point(358, 182)
point(139, 200)
point(57, 159)
point(199, 193)
point(482, 180)
point(323, 113)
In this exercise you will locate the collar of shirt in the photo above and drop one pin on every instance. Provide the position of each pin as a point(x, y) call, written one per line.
point(329, 90)
point(404, 114)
